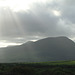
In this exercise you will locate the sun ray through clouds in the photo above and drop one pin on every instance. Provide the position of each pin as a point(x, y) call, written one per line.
point(17, 23)
point(13, 24)
point(21, 29)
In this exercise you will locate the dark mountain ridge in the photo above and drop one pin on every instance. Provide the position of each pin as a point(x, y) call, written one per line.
point(47, 49)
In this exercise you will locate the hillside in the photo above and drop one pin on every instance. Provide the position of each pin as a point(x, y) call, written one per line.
point(48, 49)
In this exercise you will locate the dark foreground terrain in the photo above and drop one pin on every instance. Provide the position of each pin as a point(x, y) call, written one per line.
point(42, 68)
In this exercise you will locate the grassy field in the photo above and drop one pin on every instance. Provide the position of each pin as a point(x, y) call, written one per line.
point(41, 68)
point(59, 63)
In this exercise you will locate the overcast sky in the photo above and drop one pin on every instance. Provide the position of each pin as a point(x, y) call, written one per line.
point(23, 20)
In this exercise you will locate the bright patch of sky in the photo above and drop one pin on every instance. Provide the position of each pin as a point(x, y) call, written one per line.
point(19, 5)
point(3, 43)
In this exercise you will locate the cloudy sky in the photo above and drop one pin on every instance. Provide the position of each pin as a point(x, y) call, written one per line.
point(23, 20)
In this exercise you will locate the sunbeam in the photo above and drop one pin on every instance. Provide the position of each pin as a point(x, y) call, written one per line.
point(17, 23)
point(13, 22)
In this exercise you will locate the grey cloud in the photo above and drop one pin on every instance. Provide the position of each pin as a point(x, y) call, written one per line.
point(69, 13)
point(67, 8)
point(37, 21)
point(69, 2)
point(41, 20)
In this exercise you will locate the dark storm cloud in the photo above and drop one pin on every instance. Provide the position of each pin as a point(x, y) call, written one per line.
point(67, 8)
point(38, 21)
point(41, 20)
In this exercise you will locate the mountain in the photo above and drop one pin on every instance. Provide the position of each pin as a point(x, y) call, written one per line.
point(47, 49)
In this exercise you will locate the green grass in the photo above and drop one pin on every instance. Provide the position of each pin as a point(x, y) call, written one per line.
point(59, 63)
point(54, 63)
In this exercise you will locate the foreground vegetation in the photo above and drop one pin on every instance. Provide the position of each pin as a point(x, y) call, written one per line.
point(42, 68)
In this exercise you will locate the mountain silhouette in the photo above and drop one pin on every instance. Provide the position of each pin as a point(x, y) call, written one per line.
point(47, 49)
